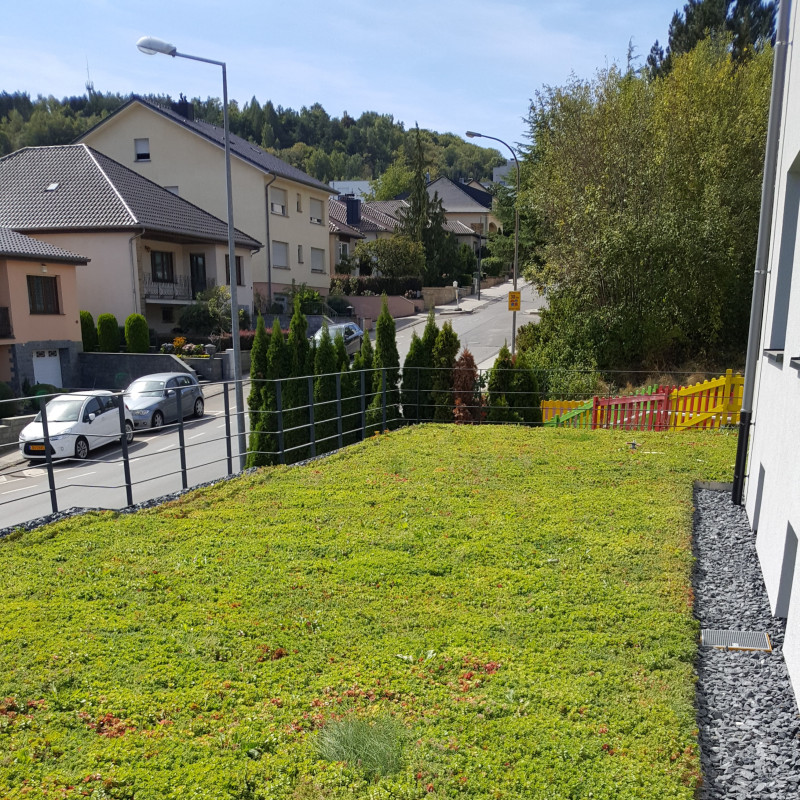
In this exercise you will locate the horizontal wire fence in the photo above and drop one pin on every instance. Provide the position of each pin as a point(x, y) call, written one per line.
point(294, 419)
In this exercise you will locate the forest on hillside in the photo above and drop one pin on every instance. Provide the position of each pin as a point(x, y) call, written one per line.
point(325, 147)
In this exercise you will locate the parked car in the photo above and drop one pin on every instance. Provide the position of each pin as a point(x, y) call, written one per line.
point(351, 333)
point(153, 399)
point(76, 424)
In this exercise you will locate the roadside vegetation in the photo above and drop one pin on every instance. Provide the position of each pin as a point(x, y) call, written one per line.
point(441, 611)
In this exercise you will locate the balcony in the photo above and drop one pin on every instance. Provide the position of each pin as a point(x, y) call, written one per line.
point(6, 331)
point(182, 289)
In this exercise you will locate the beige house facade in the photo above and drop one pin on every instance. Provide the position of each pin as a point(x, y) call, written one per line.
point(272, 201)
point(40, 335)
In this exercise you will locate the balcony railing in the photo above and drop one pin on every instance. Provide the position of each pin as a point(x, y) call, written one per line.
point(6, 332)
point(181, 288)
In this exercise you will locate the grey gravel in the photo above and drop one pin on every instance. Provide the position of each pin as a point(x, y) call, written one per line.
point(748, 720)
point(746, 711)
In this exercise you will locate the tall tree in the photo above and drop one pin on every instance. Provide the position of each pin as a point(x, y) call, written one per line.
point(257, 455)
point(387, 365)
point(325, 369)
point(444, 358)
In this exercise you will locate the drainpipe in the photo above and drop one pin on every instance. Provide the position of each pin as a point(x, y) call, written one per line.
point(268, 246)
point(762, 248)
point(131, 252)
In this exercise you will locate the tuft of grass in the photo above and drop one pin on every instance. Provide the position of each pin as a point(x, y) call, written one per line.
point(374, 747)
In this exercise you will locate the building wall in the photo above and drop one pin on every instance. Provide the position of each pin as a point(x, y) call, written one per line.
point(772, 495)
point(175, 154)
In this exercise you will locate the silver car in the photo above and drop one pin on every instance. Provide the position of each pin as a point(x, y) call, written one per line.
point(153, 399)
point(351, 333)
point(76, 424)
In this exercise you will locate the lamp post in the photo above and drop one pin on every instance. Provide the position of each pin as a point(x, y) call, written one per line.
point(151, 46)
point(474, 135)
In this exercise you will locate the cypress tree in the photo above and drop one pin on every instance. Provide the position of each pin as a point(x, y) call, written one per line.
point(88, 332)
point(387, 360)
point(255, 400)
point(277, 368)
point(526, 398)
point(325, 370)
point(466, 392)
point(501, 380)
point(410, 395)
point(363, 364)
point(444, 358)
point(296, 395)
point(426, 371)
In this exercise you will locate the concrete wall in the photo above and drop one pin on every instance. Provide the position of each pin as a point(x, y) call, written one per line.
point(179, 157)
point(773, 499)
point(10, 429)
point(22, 362)
point(368, 308)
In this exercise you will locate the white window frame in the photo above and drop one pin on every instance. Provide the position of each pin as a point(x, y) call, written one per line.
point(317, 259)
point(278, 202)
point(316, 220)
point(280, 249)
point(141, 149)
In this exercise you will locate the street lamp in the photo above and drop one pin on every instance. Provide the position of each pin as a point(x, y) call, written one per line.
point(150, 45)
point(474, 135)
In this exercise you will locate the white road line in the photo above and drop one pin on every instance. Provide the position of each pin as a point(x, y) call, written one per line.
point(195, 436)
point(21, 489)
point(82, 475)
point(168, 447)
point(3, 479)
point(220, 426)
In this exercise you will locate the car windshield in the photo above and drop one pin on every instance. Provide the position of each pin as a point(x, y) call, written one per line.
point(62, 410)
point(153, 388)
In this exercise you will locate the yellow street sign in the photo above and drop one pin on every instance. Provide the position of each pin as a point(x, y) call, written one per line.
point(514, 301)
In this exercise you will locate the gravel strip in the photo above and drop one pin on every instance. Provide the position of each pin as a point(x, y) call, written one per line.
point(747, 714)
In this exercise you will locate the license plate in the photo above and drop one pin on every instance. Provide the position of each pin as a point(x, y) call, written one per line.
point(37, 447)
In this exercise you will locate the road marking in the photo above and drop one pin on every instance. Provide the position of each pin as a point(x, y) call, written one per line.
point(168, 447)
point(3, 479)
point(21, 489)
point(35, 472)
point(195, 436)
point(82, 475)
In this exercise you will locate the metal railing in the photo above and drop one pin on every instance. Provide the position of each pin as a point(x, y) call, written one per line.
point(181, 287)
point(301, 418)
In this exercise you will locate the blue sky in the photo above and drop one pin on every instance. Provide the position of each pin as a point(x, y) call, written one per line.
point(450, 66)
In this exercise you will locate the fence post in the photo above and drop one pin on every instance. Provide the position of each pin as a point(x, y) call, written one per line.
point(181, 440)
point(126, 464)
point(383, 400)
point(312, 434)
point(227, 403)
point(418, 405)
point(279, 409)
point(595, 411)
point(339, 409)
point(48, 456)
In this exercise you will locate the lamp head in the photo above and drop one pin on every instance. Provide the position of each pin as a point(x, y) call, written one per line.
point(473, 135)
point(150, 46)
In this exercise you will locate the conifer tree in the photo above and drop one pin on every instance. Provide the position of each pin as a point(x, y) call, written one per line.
point(277, 369)
point(501, 383)
point(255, 400)
point(387, 361)
point(325, 369)
point(426, 372)
point(526, 399)
point(363, 371)
point(466, 392)
point(444, 358)
point(410, 394)
point(296, 395)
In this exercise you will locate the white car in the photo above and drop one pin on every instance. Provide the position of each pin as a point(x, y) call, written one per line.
point(76, 424)
point(351, 333)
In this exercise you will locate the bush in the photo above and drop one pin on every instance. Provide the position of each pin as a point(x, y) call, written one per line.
point(108, 339)
point(368, 285)
point(8, 405)
point(137, 334)
point(196, 318)
point(494, 266)
point(88, 332)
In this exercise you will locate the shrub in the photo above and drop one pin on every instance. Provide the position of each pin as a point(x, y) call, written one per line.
point(367, 285)
point(108, 339)
point(88, 332)
point(8, 405)
point(196, 318)
point(137, 334)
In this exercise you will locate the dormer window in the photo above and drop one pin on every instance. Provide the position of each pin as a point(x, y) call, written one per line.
point(142, 149)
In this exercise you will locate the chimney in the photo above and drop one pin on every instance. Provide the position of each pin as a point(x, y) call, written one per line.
point(353, 205)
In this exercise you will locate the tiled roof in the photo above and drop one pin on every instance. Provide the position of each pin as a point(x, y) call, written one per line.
point(70, 187)
point(335, 226)
point(17, 245)
point(390, 207)
point(337, 211)
point(458, 228)
point(387, 221)
point(245, 150)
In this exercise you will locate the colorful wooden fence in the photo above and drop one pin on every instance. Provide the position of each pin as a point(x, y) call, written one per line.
point(710, 404)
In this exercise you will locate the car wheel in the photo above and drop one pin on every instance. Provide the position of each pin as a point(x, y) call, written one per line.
point(199, 407)
point(158, 420)
point(128, 432)
point(81, 448)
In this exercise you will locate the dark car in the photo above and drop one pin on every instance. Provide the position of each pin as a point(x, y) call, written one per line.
point(153, 399)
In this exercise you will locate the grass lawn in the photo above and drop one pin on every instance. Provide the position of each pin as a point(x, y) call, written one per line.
point(510, 610)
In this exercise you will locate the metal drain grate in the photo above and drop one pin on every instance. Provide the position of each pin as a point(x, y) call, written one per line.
point(735, 640)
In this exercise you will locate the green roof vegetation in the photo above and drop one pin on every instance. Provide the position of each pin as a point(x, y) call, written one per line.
point(486, 612)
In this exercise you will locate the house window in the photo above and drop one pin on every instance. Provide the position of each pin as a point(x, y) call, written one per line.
point(299, 254)
point(316, 211)
point(344, 251)
point(317, 259)
point(299, 203)
point(280, 255)
point(161, 262)
point(142, 149)
point(239, 279)
point(167, 314)
point(43, 294)
point(278, 202)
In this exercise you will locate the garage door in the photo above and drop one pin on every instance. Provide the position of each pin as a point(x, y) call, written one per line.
point(47, 367)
